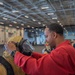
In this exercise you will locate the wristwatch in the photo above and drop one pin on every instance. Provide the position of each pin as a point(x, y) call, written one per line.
point(13, 53)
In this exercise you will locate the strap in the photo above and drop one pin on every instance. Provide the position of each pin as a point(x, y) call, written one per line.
point(7, 65)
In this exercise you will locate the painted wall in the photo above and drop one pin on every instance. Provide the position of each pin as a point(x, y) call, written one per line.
point(69, 35)
point(7, 32)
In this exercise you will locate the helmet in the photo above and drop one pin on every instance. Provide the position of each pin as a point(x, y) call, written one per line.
point(22, 44)
point(15, 39)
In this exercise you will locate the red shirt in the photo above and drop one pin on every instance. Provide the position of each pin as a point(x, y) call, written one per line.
point(61, 61)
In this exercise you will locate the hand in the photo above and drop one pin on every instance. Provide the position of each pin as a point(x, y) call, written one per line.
point(11, 46)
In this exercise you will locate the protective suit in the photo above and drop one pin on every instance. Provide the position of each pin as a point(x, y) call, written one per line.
point(7, 66)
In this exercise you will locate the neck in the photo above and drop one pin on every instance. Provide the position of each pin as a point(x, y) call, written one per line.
point(59, 40)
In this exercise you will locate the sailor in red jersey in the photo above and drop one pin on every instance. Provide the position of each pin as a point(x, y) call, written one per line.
point(60, 61)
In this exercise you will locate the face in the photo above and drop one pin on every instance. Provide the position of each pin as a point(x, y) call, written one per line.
point(50, 37)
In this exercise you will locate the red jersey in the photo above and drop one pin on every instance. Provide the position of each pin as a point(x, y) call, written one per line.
point(61, 61)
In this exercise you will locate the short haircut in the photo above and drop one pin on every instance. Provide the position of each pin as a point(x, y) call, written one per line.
point(56, 28)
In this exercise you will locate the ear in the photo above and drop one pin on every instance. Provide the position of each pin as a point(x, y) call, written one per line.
point(54, 34)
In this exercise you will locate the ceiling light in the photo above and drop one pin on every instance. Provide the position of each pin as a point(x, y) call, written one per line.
point(43, 24)
point(14, 11)
point(17, 26)
point(1, 23)
point(36, 28)
point(10, 25)
point(26, 16)
point(22, 24)
point(33, 27)
point(54, 18)
point(28, 26)
point(1, 3)
point(58, 21)
point(44, 7)
point(5, 18)
point(50, 13)
point(33, 19)
point(14, 22)
point(65, 29)
point(61, 24)
point(39, 22)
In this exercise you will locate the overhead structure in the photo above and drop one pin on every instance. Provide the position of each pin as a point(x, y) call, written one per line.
point(37, 13)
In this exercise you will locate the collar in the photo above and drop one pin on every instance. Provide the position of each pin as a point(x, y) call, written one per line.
point(66, 42)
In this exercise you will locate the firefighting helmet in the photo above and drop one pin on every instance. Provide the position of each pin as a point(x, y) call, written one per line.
point(22, 44)
point(15, 39)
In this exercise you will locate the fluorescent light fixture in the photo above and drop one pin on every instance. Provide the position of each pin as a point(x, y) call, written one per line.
point(33, 27)
point(17, 26)
point(33, 19)
point(5, 18)
point(54, 18)
point(43, 24)
point(61, 24)
point(36, 28)
point(58, 21)
point(28, 26)
point(26, 16)
point(39, 22)
point(44, 7)
point(22, 24)
point(10, 25)
point(1, 3)
point(50, 13)
point(1, 23)
point(14, 11)
point(65, 29)
point(14, 22)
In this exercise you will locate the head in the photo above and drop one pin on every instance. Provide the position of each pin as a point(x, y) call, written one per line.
point(21, 44)
point(54, 34)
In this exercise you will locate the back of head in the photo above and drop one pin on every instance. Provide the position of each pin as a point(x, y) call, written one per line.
point(56, 28)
